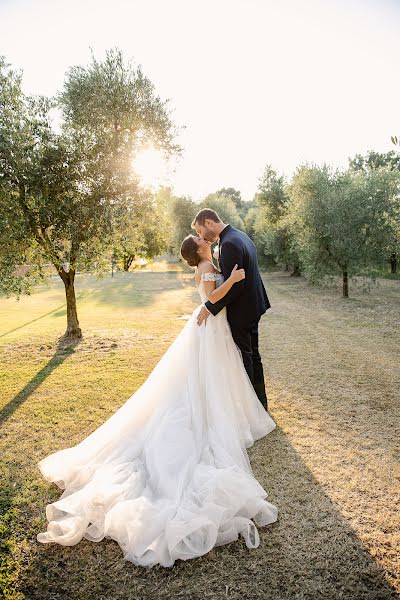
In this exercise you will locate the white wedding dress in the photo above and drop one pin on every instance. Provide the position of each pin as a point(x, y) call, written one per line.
point(167, 475)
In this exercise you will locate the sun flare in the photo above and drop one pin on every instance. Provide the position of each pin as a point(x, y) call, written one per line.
point(150, 166)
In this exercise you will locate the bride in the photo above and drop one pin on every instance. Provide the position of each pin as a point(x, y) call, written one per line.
point(167, 476)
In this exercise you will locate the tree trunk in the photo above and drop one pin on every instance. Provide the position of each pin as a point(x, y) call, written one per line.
point(345, 283)
point(128, 260)
point(73, 329)
point(393, 262)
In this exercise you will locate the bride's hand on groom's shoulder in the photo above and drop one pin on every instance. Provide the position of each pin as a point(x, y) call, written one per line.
point(237, 274)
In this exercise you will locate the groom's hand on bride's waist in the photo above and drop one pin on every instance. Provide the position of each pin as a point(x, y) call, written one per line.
point(203, 315)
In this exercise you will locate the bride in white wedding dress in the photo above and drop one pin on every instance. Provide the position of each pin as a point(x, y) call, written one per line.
point(167, 476)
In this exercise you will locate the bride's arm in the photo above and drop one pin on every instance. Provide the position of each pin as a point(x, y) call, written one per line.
point(214, 294)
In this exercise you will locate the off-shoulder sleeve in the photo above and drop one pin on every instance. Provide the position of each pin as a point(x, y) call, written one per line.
point(209, 276)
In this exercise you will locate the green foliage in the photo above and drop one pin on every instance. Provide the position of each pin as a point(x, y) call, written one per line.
point(70, 193)
point(65, 197)
point(271, 196)
point(182, 212)
point(37, 179)
point(268, 223)
point(149, 236)
point(234, 195)
point(250, 222)
point(342, 221)
point(374, 160)
point(225, 207)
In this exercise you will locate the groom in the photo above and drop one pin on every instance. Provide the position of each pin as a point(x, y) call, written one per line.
point(246, 301)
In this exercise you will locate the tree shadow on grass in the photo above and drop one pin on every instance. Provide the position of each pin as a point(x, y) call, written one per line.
point(55, 312)
point(33, 320)
point(310, 552)
point(63, 351)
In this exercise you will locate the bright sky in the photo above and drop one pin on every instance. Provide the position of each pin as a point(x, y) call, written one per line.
point(254, 81)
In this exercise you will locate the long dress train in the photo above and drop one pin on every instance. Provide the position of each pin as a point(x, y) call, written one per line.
point(167, 476)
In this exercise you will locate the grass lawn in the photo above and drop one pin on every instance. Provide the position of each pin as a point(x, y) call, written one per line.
point(331, 465)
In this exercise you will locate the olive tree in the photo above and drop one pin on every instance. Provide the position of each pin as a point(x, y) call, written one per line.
point(342, 220)
point(374, 160)
point(149, 236)
point(272, 232)
point(65, 195)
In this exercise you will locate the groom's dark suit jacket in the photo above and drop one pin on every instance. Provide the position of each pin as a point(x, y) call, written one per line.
point(247, 300)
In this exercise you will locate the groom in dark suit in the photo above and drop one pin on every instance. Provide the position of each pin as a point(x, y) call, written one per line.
point(246, 301)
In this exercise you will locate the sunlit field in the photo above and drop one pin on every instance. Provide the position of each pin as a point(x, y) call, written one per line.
point(331, 465)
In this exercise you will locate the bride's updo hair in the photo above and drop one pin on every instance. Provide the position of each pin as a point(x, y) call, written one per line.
point(189, 251)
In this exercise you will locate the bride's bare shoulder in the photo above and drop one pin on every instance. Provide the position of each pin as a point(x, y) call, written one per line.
point(206, 267)
point(202, 268)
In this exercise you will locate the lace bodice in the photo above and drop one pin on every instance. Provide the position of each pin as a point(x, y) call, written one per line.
point(217, 277)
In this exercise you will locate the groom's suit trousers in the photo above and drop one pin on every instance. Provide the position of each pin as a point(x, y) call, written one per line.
point(246, 338)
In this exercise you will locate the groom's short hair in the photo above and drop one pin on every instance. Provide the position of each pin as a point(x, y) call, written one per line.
point(203, 214)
